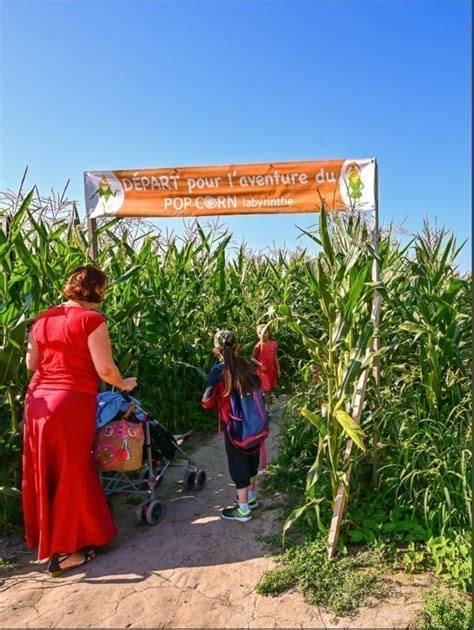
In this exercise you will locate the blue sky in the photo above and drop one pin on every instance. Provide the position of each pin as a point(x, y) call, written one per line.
point(122, 84)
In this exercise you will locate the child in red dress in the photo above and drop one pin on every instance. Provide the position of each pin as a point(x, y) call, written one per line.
point(265, 358)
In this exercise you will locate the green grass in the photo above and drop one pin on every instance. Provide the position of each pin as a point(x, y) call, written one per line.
point(341, 585)
point(7, 564)
point(441, 612)
point(373, 520)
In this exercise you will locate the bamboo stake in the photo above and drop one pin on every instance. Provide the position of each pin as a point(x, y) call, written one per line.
point(93, 243)
point(376, 365)
point(341, 496)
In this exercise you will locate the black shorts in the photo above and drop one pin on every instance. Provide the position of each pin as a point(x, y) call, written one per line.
point(242, 466)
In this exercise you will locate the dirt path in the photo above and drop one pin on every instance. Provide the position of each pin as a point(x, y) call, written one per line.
point(192, 570)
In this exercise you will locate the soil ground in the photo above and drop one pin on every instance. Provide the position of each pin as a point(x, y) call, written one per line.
point(192, 570)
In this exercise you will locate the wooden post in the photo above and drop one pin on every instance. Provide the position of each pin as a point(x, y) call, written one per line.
point(340, 502)
point(94, 253)
point(93, 243)
point(376, 364)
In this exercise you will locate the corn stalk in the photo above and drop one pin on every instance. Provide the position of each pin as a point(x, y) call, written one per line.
point(340, 282)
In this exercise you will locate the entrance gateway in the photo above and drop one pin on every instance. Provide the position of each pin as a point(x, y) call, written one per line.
point(262, 188)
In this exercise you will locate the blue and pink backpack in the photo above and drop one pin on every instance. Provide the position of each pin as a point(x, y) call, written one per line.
point(245, 417)
point(247, 425)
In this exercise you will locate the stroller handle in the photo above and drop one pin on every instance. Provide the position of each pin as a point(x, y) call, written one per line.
point(136, 405)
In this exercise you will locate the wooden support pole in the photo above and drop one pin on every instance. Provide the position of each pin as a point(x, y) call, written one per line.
point(92, 235)
point(376, 364)
point(340, 502)
point(94, 254)
point(341, 496)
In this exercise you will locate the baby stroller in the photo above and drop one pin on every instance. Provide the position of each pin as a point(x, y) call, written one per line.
point(134, 451)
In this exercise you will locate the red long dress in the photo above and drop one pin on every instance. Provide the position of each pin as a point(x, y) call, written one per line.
point(266, 353)
point(64, 506)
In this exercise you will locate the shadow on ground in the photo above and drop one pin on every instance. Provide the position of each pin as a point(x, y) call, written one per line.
point(191, 534)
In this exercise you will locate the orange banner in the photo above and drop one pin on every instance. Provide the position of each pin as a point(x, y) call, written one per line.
point(284, 187)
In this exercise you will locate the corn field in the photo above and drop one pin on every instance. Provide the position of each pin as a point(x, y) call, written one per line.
point(167, 296)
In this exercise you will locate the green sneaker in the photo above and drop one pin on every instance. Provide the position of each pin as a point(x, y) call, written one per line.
point(236, 514)
point(252, 502)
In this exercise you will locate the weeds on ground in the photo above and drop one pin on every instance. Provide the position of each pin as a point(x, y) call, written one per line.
point(8, 564)
point(407, 542)
point(439, 611)
point(342, 585)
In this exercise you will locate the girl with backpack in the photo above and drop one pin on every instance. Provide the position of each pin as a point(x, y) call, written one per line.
point(233, 387)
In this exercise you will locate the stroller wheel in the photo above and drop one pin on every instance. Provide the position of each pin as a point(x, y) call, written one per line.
point(200, 480)
point(140, 513)
point(155, 510)
point(188, 479)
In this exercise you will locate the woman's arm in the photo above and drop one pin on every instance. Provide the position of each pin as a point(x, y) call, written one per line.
point(209, 399)
point(277, 364)
point(101, 353)
point(32, 355)
point(210, 396)
point(254, 359)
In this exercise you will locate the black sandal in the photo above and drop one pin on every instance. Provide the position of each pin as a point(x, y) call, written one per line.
point(54, 567)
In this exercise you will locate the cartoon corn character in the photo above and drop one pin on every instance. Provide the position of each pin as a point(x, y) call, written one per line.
point(354, 181)
point(106, 198)
point(104, 191)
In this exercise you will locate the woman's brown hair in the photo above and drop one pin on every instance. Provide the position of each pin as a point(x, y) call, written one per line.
point(239, 373)
point(85, 284)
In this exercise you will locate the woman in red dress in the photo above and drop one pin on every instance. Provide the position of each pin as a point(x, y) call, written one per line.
point(64, 507)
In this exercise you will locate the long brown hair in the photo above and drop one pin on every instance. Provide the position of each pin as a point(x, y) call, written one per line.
point(239, 373)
